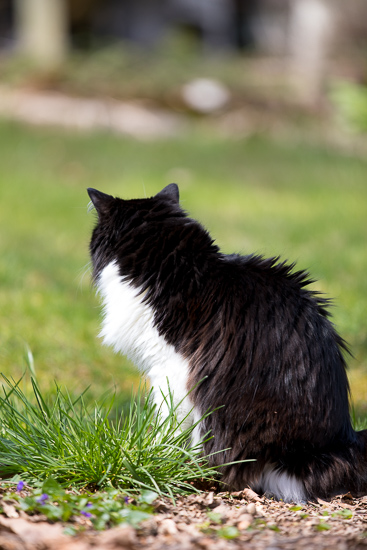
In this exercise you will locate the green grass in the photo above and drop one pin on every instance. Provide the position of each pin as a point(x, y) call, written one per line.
point(51, 435)
point(258, 195)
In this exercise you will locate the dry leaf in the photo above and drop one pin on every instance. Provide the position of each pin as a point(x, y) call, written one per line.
point(251, 495)
point(167, 527)
point(9, 510)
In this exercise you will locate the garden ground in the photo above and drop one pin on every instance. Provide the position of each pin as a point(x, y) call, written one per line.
point(212, 520)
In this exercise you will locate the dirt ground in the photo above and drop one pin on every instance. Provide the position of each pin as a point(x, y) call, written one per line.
point(208, 520)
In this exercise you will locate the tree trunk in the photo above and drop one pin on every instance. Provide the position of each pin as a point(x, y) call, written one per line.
point(311, 30)
point(42, 31)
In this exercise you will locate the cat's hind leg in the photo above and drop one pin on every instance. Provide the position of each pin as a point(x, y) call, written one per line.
point(280, 484)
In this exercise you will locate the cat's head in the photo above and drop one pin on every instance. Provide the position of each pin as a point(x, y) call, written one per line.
point(129, 231)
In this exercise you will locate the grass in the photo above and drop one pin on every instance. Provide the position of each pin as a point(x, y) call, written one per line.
point(46, 436)
point(257, 195)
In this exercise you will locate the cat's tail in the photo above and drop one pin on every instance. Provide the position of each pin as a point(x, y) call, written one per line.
point(340, 470)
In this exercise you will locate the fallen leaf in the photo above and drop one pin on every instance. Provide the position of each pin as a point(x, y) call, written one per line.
point(9, 510)
point(251, 495)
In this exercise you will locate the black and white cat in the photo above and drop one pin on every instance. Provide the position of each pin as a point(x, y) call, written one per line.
point(245, 331)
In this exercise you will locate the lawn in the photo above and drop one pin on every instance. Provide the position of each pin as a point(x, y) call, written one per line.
point(257, 195)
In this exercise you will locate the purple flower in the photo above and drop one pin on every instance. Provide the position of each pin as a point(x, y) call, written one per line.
point(86, 514)
point(89, 505)
point(20, 486)
point(126, 499)
point(42, 499)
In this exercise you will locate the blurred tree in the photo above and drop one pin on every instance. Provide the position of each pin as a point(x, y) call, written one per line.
point(312, 26)
point(42, 31)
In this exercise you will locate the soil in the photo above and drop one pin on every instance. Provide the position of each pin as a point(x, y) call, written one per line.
point(219, 521)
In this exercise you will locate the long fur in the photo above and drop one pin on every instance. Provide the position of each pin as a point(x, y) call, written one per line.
point(245, 332)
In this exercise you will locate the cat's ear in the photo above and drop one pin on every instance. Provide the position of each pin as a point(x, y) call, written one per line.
point(170, 192)
point(100, 201)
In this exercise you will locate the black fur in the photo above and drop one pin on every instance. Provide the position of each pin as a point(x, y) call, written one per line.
point(252, 330)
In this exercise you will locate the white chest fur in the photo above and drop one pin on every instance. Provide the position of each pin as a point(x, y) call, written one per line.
point(128, 326)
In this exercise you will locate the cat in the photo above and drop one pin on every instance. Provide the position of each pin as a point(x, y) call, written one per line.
point(245, 332)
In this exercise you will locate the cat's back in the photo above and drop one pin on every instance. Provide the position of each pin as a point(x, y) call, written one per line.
point(269, 315)
point(265, 281)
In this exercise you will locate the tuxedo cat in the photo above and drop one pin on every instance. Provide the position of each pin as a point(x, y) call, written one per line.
point(244, 332)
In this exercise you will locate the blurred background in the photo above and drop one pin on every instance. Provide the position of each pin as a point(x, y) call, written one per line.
point(256, 108)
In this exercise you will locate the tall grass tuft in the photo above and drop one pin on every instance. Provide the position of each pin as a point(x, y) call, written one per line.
point(80, 445)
